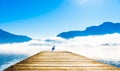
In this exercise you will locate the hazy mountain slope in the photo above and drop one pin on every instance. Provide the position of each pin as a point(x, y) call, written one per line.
point(105, 28)
point(6, 37)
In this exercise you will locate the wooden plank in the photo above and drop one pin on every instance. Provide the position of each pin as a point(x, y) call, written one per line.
point(60, 61)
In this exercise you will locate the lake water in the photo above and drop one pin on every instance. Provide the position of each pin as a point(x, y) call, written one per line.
point(7, 60)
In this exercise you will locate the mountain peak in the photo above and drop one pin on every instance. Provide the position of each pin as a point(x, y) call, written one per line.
point(107, 23)
point(6, 37)
point(105, 28)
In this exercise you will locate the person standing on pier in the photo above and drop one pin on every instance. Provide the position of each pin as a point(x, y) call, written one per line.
point(53, 48)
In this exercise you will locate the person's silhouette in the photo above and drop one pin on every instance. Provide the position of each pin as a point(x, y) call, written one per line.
point(53, 48)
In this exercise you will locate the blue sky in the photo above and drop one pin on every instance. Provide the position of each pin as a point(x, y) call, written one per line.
point(46, 18)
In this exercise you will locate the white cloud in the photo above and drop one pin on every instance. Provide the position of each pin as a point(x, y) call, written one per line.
point(97, 47)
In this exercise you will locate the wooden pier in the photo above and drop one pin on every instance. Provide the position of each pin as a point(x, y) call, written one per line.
point(60, 61)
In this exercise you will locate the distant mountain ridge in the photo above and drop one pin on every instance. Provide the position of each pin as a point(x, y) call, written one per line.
point(105, 28)
point(6, 37)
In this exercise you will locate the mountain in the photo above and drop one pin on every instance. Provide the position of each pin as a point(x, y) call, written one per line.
point(6, 37)
point(105, 28)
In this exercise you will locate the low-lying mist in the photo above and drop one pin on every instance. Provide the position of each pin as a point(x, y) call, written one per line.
point(96, 47)
point(104, 48)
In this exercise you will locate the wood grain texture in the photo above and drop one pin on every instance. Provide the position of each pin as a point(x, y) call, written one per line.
point(60, 61)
